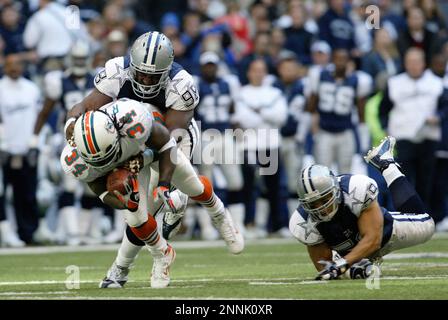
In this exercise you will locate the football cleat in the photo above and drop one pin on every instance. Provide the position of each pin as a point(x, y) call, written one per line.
point(172, 220)
point(229, 232)
point(382, 156)
point(160, 275)
point(116, 277)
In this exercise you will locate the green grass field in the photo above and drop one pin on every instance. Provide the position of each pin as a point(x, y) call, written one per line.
point(268, 269)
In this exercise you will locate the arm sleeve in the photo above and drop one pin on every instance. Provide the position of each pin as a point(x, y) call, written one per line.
point(182, 93)
point(362, 192)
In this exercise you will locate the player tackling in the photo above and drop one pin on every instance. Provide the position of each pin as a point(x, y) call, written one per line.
point(123, 134)
point(341, 213)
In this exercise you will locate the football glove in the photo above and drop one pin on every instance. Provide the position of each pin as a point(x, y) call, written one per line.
point(131, 199)
point(134, 164)
point(162, 192)
point(361, 270)
point(332, 269)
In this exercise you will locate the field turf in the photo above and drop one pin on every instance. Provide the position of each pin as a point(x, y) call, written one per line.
point(268, 269)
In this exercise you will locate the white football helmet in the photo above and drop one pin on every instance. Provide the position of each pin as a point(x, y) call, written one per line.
point(152, 56)
point(79, 59)
point(97, 138)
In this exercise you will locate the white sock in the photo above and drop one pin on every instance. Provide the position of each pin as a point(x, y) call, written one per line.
point(391, 174)
point(158, 248)
point(127, 253)
point(214, 206)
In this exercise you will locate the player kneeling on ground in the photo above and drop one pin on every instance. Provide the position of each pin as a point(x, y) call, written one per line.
point(341, 213)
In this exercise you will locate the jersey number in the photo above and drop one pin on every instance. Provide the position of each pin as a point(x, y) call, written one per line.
point(335, 99)
point(136, 128)
point(190, 96)
point(78, 168)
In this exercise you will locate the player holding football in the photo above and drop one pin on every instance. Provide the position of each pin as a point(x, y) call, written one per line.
point(123, 134)
point(149, 75)
point(341, 213)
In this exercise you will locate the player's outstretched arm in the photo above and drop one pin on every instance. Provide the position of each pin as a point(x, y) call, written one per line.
point(370, 225)
point(93, 101)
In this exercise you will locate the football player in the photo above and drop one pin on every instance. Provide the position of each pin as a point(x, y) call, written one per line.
point(150, 75)
point(68, 88)
point(123, 133)
point(335, 94)
point(214, 112)
point(341, 213)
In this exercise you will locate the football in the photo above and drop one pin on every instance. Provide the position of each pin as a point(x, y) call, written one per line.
point(117, 180)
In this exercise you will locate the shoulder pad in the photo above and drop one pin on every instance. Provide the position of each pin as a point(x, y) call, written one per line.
point(304, 230)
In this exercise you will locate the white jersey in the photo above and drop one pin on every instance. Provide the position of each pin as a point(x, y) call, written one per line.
point(137, 124)
point(180, 93)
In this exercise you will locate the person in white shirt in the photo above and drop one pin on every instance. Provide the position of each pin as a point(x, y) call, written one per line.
point(19, 106)
point(52, 31)
point(261, 111)
point(408, 111)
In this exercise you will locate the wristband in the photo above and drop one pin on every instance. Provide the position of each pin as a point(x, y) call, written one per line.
point(164, 184)
point(103, 195)
point(170, 144)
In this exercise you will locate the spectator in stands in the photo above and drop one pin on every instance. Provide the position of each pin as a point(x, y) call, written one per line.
point(20, 101)
point(298, 39)
point(170, 25)
point(390, 20)
point(11, 31)
point(265, 108)
point(47, 32)
point(408, 111)
point(116, 44)
point(336, 28)
point(435, 21)
point(416, 35)
point(261, 51)
point(384, 59)
point(239, 26)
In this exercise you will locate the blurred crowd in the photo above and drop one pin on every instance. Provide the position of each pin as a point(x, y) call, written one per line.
point(275, 55)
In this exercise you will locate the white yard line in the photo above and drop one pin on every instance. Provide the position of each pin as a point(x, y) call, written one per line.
point(416, 255)
point(196, 244)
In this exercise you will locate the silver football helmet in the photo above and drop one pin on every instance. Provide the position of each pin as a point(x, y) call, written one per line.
point(319, 192)
point(152, 56)
point(79, 59)
point(97, 139)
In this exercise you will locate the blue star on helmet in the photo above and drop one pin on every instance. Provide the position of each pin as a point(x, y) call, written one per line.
point(310, 227)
